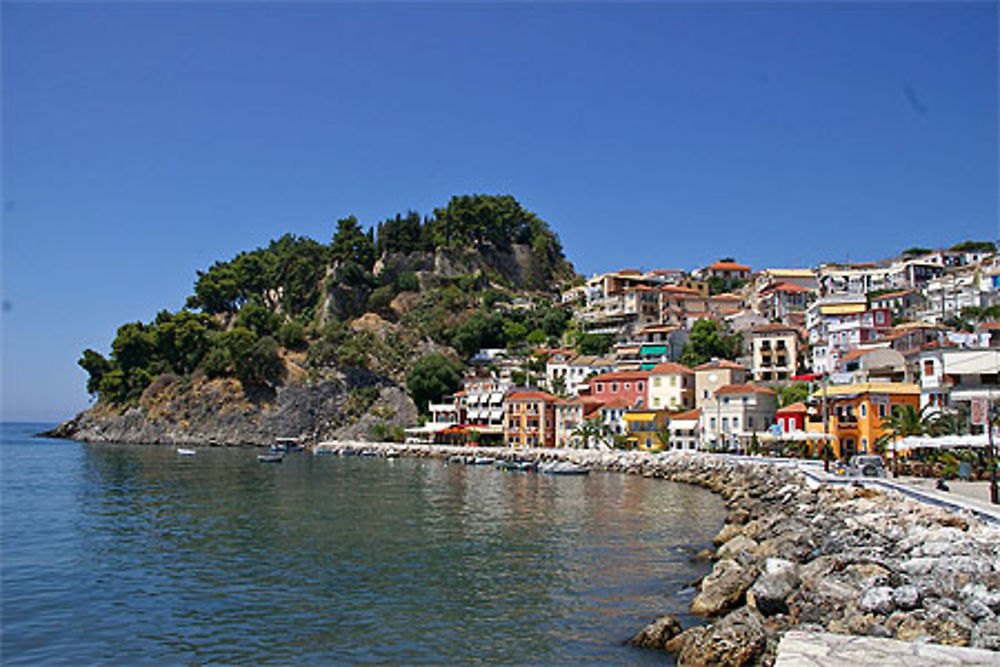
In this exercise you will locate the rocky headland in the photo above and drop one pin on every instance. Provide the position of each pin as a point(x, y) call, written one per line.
point(795, 554)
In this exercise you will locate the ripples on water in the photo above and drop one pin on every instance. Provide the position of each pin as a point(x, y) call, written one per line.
point(117, 553)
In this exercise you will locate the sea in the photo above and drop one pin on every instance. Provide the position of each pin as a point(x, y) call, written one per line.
point(132, 554)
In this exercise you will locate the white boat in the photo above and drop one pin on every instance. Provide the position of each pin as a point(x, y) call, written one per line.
point(563, 468)
point(270, 458)
point(186, 452)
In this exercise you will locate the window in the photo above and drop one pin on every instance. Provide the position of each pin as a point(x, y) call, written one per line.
point(881, 411)
point(725, 424)
point(639, 386)
point(929, 367)
point(864, 445)
point(656, 382)
point(711, 423)
point(863, 409)
point(736, 423)
point(749, 422)
point(673, 380)
point(614, 387)
point(600, 388)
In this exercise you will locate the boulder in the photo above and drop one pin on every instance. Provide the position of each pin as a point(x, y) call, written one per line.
point(728, 532)
point(877, 600)
point(769, 593)
point(986, 634)
point(723, 589)
point(906, 597)
point(735, 640)
point(732, 548)
point(657, 633)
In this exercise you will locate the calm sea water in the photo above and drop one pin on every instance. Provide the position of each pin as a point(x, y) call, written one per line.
point(131, 554)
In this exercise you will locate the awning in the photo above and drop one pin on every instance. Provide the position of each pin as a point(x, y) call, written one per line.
point(653, 349)
point(941, 442)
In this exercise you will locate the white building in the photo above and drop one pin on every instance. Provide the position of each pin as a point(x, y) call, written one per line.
point(949, 375)
point(735, 414)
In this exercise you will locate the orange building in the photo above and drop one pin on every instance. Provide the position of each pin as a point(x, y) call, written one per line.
point(529, 419)
point(857, 413)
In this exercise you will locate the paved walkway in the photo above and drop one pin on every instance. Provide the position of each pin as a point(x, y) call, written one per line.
point(824, 649)
point(963, 496)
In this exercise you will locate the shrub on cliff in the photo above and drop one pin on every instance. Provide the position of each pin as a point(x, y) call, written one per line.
point(431, 378)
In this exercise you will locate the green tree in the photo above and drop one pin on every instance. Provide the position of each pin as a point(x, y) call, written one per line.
point(975, 246)
point(707, 340)
point(431, 378)
point(595, 344)
point(96, 366)
point(793, 393)
point(904, 421)
point(353, 244)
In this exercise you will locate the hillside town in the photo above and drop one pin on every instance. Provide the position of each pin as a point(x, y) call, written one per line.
point(829, 362)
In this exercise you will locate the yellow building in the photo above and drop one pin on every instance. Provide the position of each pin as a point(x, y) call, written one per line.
point(857, 413)
point(643, 429)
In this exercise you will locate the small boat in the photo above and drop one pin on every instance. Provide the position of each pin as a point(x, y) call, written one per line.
point(369, 452)
point(527, 466)
point(270, 458)
point(186, 452)
point(456, 459)
point(391, 453)
point(483, 460)
point(277, 448)
point(563, 468)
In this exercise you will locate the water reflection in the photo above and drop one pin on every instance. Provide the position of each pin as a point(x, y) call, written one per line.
point(218, 558)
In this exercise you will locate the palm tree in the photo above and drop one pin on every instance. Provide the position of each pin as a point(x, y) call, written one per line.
point(903, 421)
point(591, 431)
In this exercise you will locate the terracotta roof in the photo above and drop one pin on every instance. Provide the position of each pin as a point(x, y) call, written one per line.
point(659, 327)
point(989, 326)
point(728, 296)
point(793, 408)
point(531, 396)
point(666, 272)
point(630, 272)
point(690, 414)
point(743, 389)
point(615, 403)
point(786, 287)
point(729, 266)
point(620, 375)
point(855, 354)
point(719, 363)
point(670, 368)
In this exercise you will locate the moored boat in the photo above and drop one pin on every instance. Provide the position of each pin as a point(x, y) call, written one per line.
point(186, 452)
point(270, 458)
point(563, 468)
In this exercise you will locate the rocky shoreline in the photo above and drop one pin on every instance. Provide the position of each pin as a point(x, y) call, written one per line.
point(797, 555)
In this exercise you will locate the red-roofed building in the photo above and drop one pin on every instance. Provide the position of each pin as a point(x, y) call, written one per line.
point(791, 417)
point(676, 303)
point(629, 386)
point(713, 374)
point(725, 270)
point(529, 418)
point(781, 299)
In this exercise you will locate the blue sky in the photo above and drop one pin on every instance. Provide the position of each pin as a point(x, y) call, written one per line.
point(142, 142)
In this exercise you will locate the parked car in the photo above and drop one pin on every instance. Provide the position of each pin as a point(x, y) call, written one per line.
point(866, 466)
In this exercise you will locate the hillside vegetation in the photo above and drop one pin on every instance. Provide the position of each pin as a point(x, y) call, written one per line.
point(369, 304)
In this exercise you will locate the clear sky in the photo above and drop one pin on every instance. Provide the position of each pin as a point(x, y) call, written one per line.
point(142, 142)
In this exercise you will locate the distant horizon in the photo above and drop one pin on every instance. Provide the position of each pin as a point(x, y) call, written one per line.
point(145, 141)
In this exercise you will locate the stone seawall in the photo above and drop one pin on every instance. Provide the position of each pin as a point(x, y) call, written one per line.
point(797, 555)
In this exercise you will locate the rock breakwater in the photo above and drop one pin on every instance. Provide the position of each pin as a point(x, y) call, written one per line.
point(797, 555)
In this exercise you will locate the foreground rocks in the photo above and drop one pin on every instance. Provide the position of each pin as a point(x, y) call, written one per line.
point(796, 555)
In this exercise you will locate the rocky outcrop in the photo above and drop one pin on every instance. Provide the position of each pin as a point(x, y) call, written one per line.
point(657, 633)
point(348, 406)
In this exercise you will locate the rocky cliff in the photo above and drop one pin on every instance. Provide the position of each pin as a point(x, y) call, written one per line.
point(357, 406)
